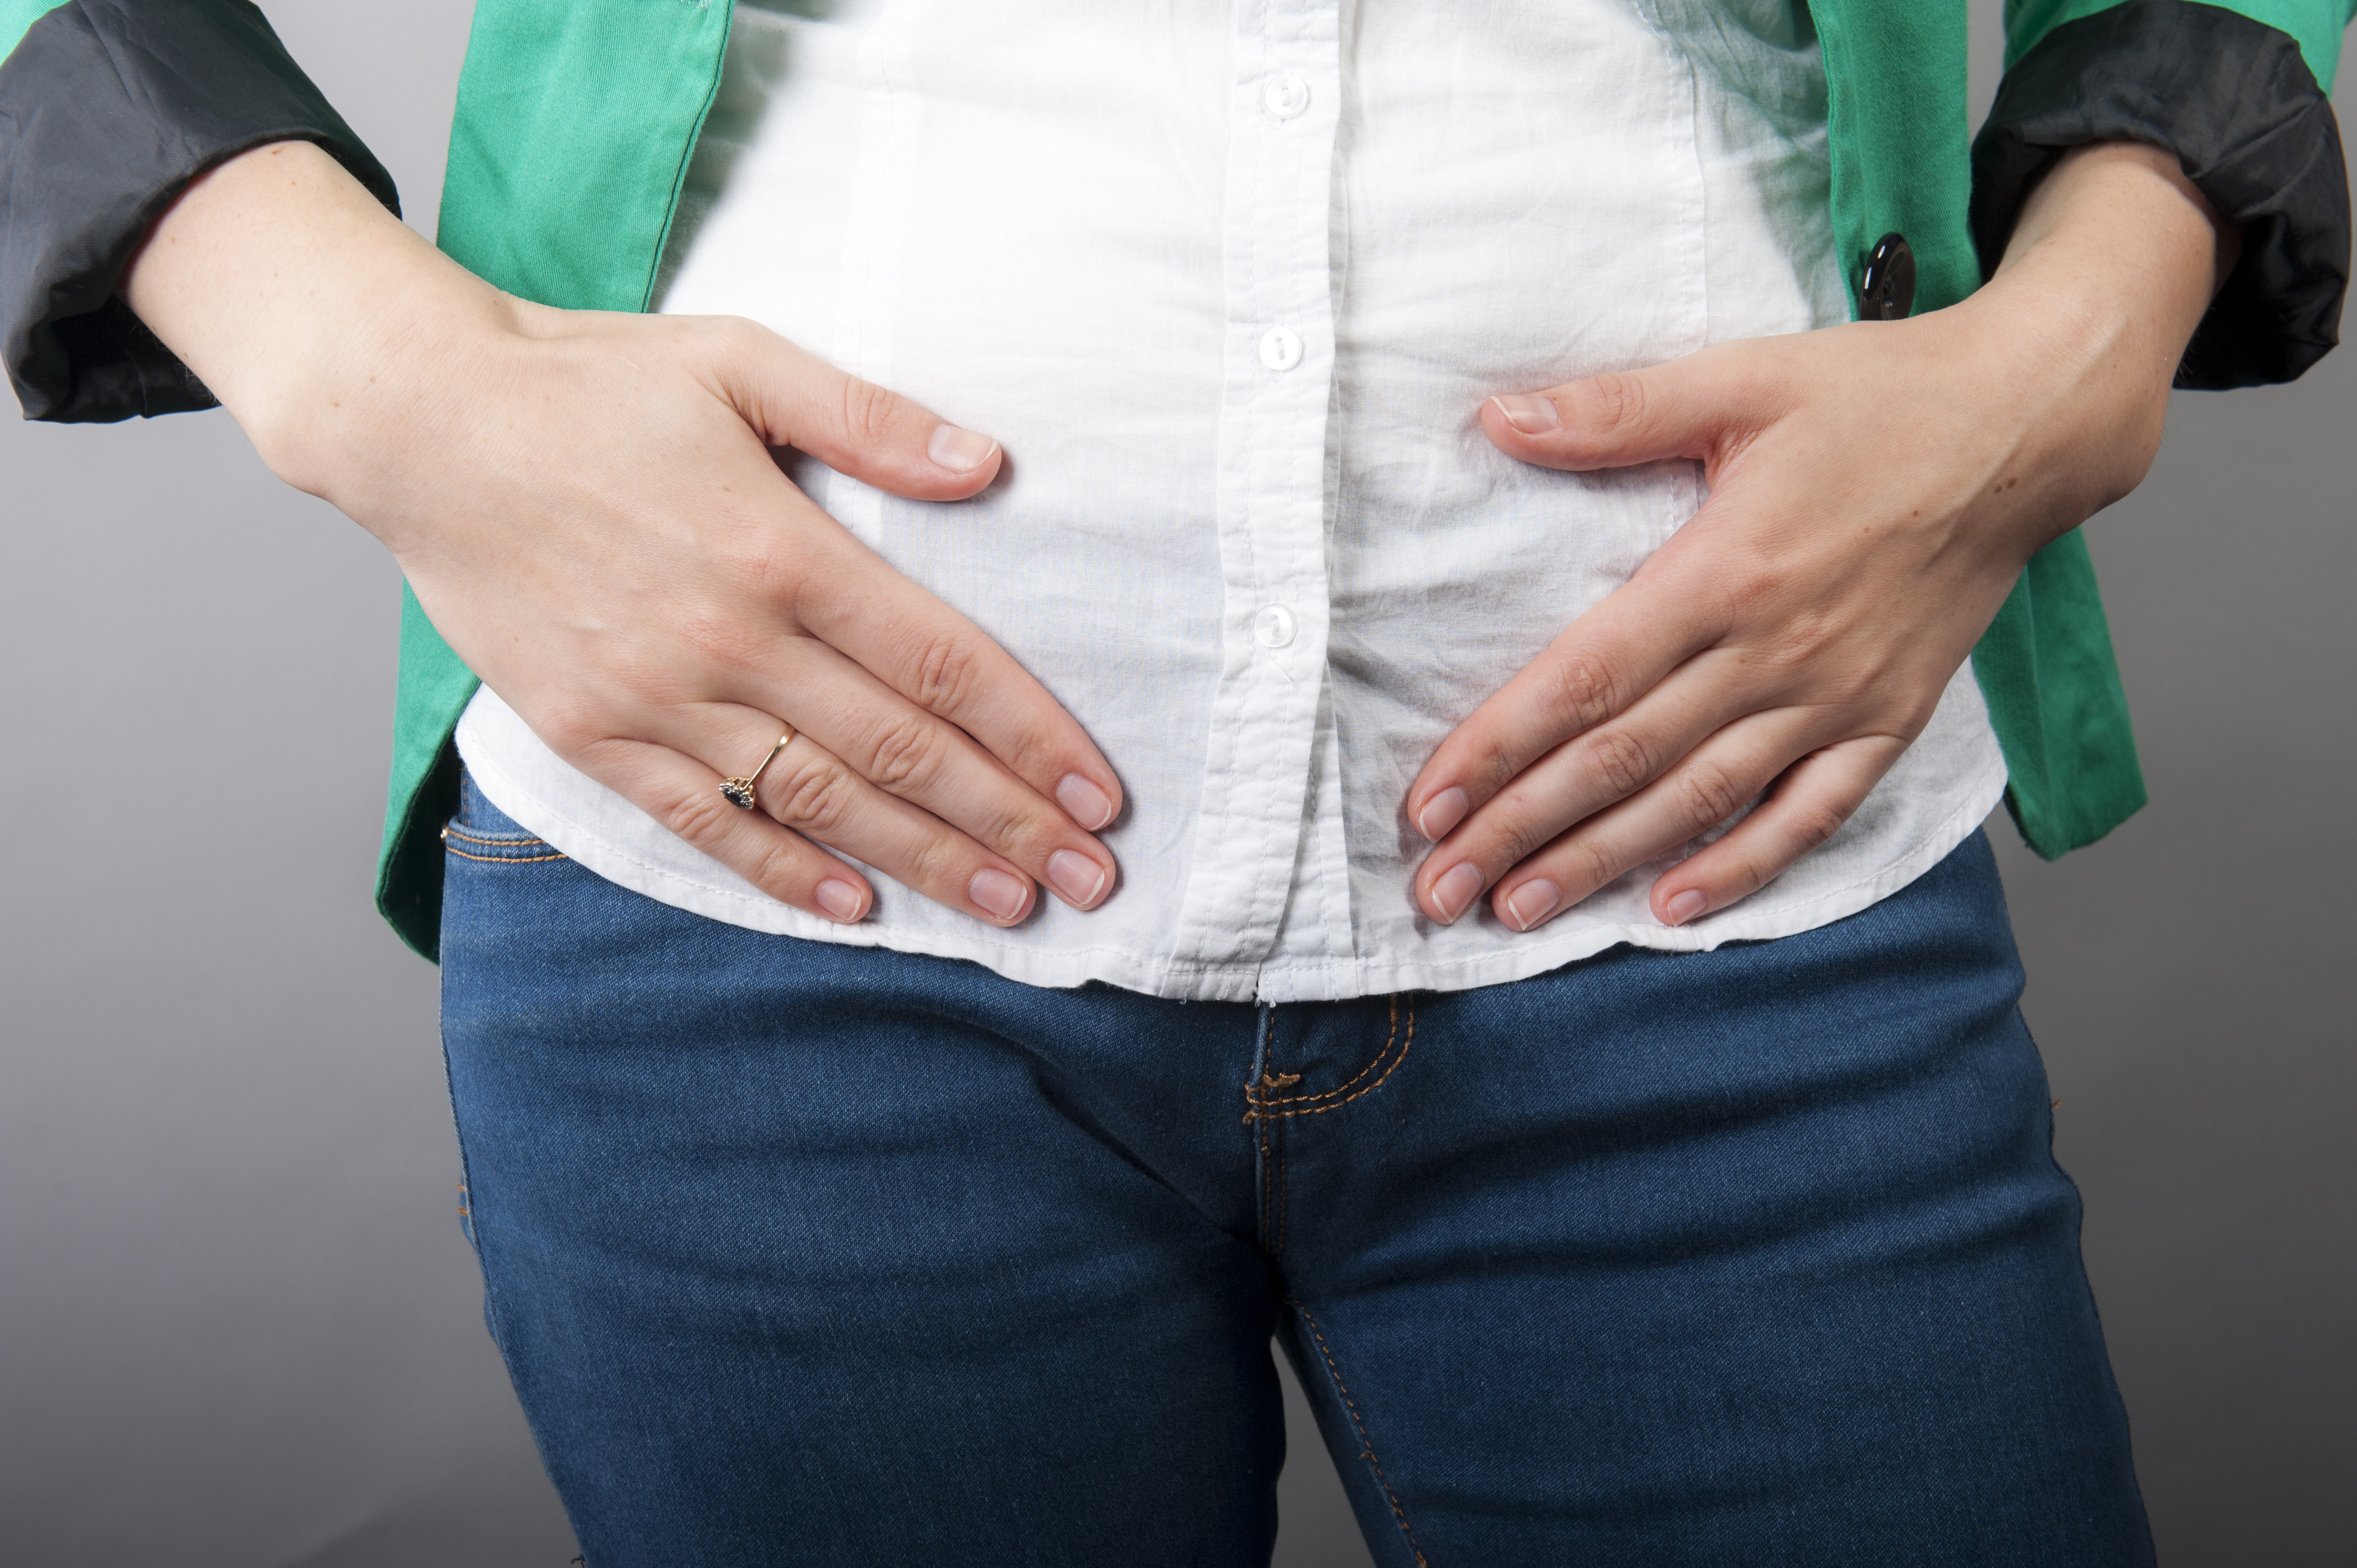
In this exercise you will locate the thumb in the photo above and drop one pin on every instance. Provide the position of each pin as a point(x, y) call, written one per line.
point(1682, 409)
point(873, 433)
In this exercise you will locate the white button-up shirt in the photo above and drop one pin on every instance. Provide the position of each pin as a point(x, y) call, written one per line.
point(1229, 282)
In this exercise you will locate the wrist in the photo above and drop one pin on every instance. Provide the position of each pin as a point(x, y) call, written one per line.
point(2109, 270)
point(301, 303)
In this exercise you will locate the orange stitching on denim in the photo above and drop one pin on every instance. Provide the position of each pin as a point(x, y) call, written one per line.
point(1366, 1447)
point(449, 834)
point(1260, 1112)
point(505, 859)
point(1264, 1102)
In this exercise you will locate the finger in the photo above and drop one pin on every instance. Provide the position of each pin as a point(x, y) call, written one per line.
point(1807, 806)
point(796, 399)
point(944, 664)
point(1576, 780)
point(671, 789)
point(906, 752)
point(1705, 789)
point(1692, 407)
point(1598, 667)
point(808, 789)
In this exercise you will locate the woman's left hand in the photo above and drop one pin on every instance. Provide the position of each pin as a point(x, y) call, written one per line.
point(1875, 490)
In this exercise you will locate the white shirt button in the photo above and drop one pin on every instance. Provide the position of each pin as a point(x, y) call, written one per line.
point(1273, 626)
point(1280, 348)
point(1285, 96)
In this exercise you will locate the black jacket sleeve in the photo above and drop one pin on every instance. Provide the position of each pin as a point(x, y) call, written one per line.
point(2235, 101)
point(108, 109)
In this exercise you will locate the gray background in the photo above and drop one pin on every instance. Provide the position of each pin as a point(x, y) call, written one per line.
point(239, 1326)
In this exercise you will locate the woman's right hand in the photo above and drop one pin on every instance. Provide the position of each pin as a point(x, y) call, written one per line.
point(588, 509)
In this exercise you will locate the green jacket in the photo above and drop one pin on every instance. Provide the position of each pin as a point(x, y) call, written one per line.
point(576, 118)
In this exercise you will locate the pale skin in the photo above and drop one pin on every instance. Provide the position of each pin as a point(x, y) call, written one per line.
point(588, 509)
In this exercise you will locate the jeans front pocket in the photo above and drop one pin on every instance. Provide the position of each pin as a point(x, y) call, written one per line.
point(481, 832)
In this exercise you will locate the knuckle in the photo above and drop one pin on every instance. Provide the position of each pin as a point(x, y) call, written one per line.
point(935, 861)
point(1506, 832)
point(1711, 795)
point(1586, 691)
point(867, 409)
point(1743, 876)
point(904, 754)
point(1806, 636)
point(1619, 401)
point(570, 731)
point(1621, 761)
point(703, 818)
point(777, 868)
point(1814, 824)
point(1518, 839)
point(815, 797)
point(1591, 862)
point(943, 677)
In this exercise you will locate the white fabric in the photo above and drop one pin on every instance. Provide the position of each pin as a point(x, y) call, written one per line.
point(1229, 282)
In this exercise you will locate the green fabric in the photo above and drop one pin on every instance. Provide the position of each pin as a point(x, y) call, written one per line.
point(2317, 24)
point(15, 15)
point(1899, 124)
point(574, 123)
point(576, 118)
point(2046, 667)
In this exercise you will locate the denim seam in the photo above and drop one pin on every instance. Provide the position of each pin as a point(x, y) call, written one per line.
point(1273, 1142)
point(1265, 1102)
point(1267, 1038)
point(1358, 1424)
point(1261, 1107)
point(1284, 1189)
point(506, 859)
point(454, 833)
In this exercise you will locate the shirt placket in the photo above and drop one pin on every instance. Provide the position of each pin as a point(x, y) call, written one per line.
point(1279, 368)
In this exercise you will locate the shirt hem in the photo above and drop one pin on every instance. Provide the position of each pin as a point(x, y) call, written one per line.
point(1328, 980)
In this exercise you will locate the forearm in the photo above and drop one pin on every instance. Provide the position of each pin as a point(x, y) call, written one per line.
point(2110, 269)
point(2120, 219)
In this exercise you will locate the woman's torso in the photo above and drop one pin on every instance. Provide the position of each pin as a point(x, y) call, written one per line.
point(1230, 285)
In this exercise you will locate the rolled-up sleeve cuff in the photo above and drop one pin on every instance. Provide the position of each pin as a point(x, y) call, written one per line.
point(2235, 101)
point(108, 109)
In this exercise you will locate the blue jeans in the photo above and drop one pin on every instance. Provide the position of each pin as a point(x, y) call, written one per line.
point(801, 1253)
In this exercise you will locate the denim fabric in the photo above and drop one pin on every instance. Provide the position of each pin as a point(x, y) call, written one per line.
point(802, 1253)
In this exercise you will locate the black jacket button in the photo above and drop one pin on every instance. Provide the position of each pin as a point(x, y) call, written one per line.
point(1887, 292)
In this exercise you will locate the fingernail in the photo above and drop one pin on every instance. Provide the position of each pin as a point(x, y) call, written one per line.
point(959, 451)
point(1531, 902)
point(1089, 805)
point(1457, 888)
point(1077, 876)
point(1531, 415)
point(840, 899)
point(1684, 907)
point(1442, 813)
point(994, 890)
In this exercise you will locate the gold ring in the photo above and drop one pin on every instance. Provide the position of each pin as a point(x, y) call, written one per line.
point(740, 790)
